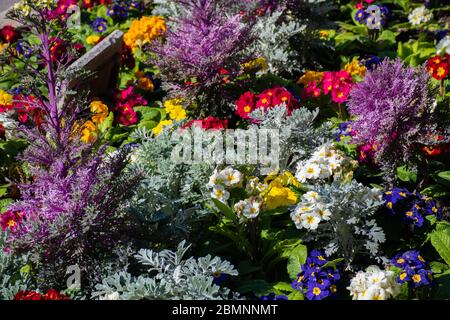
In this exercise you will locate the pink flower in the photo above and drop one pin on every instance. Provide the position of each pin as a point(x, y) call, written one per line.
point(245, 104)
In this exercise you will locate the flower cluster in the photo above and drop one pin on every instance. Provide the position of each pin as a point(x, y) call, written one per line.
point(144, 30)
point(25, 108)
point(414, 269)
point(278, 190)
point(366, 152)
point(411, 206)
point(338, 84)
point(310, 211)
point(345, 130)
point(99, 25)
point(439, 66)
point(209, 123)
point(374, 284)
point(248, 102)
point(10, 220)
point(51, 294)
point(9, 34)
point(125, 100)
point(316, 281)
point(420, 15)
point(220, 180)
point(355, 68)
point(121, 9)
point(363, 15)
point(325, 162)
point(99, 112)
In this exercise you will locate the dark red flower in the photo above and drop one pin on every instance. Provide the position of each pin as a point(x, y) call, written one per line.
point(245, 104)
point(9, 34)
point(2, 132)
point(28, 295)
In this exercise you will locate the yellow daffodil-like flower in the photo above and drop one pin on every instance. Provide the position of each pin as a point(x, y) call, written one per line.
point(355, 69)
point(310, 76)
point(174, 109)
point(88, 132)
point(144, 30)
point(5, 98)
point(146, 84)
point(100, 111)
point(159, 128)
point(92, 40)
point(258, 64)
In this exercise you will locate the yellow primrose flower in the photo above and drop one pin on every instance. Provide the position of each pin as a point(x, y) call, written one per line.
point(278, 196)
point(144, 30)
point(5, 98)
point(355, 69)
point(92, 40)
point(174, 109)
point(3, 46)
point(324, 34)
point(310, 76)
point(89, 132)
point(146, 84)
point(100, 111)
point(256, 65)
point(159, 128)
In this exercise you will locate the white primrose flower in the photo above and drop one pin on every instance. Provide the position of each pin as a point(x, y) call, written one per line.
point(214, 179)
point(310, 220)
point(220, 193)
point(239, 207)
point(297, 218)
point(251, 209)
point(323, 212)
point(420, 15)
point(443, 45)
point(311, 196)
point(374, 284)
point(230, 176)
point(312, 171)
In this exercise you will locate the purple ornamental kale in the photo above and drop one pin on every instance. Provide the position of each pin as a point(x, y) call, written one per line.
point(393, 108)
point(73, 206)
point(202, 48)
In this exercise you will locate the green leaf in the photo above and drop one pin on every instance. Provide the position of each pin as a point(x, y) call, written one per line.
point(333, 263)
point(4, 203)
point(107, 124)
point(405, 175)
point(444, 175)
point(258, 286)
point(296, 258)
point(296, 295)
point(387, 36)
point(226, 210)
point(438, 267)
point(283, 287)
point(3, 191)
point(441, 242)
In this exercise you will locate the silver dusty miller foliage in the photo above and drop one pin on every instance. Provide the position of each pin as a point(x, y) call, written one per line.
point(298, 136)
point(169, 276)
point(272, 42)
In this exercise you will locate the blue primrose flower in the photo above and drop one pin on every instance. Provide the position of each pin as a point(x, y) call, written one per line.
point(220, 277)
point(315, 281)
point(345, 130)
point(372, 62)
point(414, 269)
point(273, 296)
point(99, 25)
point(318, 290)
point(117, 11)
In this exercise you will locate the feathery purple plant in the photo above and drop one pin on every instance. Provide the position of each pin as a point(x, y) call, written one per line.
point(202, 48)
point(393, 108)
point(72, 208)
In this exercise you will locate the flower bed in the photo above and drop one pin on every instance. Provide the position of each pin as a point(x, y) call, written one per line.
point(212, 149)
